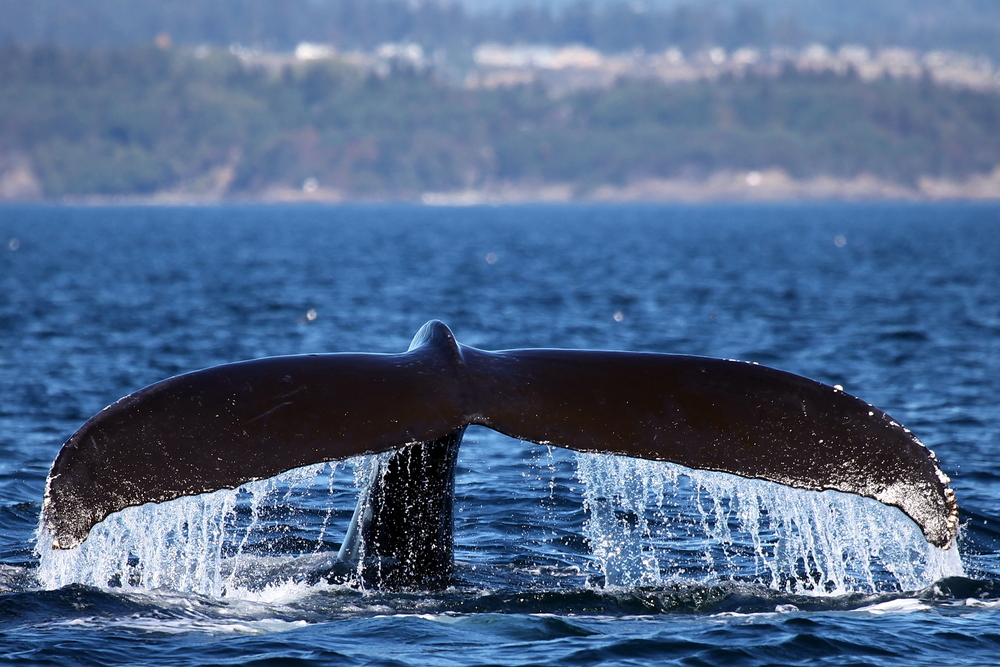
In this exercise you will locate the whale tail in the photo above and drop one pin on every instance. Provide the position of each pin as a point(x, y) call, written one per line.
point(231, 424)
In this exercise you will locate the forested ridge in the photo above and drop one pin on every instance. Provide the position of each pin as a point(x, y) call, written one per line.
point(141, 119)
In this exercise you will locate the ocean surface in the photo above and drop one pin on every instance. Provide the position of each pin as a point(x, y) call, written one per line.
point(561, 559)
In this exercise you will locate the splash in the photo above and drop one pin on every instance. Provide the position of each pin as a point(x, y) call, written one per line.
point(652, 523)
point(207, 544)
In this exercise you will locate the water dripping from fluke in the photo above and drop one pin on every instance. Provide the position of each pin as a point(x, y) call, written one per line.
point(216, 544)
point(653, 523)
point(650, 525)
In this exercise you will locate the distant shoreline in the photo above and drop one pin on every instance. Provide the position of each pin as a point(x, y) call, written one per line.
point(166, 126)
point(768, 186)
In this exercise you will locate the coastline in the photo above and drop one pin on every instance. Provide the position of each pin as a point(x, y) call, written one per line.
point(765, 186)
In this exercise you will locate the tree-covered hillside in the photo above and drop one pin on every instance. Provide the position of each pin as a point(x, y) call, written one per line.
point(144, 120)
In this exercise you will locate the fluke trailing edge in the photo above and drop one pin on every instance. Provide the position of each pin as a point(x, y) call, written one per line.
point(227, 425)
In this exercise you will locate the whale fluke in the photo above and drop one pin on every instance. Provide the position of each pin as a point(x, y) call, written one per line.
point(227, 425)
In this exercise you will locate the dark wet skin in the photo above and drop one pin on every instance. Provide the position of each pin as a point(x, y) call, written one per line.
point(228, 425)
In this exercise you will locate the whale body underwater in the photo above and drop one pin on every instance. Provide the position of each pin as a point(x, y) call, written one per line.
point(228, 425)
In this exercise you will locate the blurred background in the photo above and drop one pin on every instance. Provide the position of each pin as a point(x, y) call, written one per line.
point(478, 101)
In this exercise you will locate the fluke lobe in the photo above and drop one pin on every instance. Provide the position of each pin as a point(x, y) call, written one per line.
point(235, 423)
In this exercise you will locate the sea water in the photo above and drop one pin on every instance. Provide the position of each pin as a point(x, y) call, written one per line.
point(560, 557)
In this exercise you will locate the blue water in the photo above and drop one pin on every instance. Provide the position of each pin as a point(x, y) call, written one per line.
point(897, 303)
